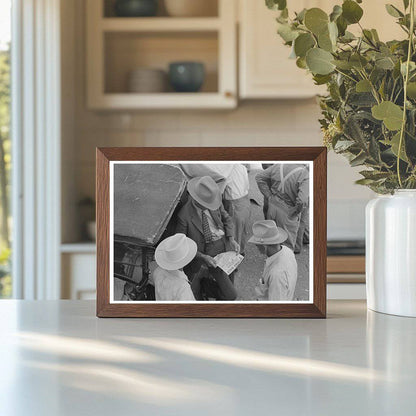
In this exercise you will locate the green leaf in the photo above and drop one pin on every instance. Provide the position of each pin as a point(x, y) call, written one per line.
point(393, 11)
point(343, 65)
point(319, 61)
point(358, 61)
point(361, 99)
point(343, 145)
point(303, 43)
point(412, 67)
point(301, 15)
point(375, 35)
point(359, 160)
point(351, 11)
point(374, 150)
point(342, 25)
point(321, 79)
point(348, 37)
point(336, 12)
point(406, 4)
point(316, 20)
point(325, 42)
point(276, 4)
point(363, 86)
point(301, 63)
point(375, 175)
point(286, 32)
point(394, 145)
point(411, 90)
point(364, 181)
point(391, 114)
point(385, 63)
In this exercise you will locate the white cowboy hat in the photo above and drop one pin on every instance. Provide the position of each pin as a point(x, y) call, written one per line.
point(266, 232)
point(205, 191)
point(175, 252)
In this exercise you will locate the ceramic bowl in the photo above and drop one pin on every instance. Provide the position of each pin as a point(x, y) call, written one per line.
point(147, 80)
point(186, 76)
point(135, 8)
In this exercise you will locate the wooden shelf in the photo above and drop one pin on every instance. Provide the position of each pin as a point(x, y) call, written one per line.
point(163, 101)
point(346, 264)
point(345, 269)
point(159, 24)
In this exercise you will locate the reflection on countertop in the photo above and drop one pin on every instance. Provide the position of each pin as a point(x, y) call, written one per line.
point(63, 360)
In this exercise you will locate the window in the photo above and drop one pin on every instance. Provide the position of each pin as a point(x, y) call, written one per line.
point(5, 145)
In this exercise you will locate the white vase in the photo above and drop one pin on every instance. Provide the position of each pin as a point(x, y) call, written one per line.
point(391, 253)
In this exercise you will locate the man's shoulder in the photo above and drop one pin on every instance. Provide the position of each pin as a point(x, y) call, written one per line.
point(287, 252)
point(186, 208)
point(158, 273)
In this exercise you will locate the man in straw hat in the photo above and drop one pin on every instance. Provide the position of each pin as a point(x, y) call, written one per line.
point(171, 256)
point(205, 221)
point(280, 271)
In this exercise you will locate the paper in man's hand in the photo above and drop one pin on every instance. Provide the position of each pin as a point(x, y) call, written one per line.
point(228, 261)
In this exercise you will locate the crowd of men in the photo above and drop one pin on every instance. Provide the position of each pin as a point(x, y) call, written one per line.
point(216, 218)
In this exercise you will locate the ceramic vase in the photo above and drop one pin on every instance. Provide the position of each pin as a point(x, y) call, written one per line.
point(391, 253)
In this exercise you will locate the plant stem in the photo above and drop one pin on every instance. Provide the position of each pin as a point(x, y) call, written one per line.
point(346, 75)
point(406, 80)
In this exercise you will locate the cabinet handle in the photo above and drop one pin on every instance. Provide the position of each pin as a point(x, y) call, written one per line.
point(228, 94)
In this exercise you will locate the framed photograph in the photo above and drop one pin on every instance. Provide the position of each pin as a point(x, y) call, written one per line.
point(211, 232)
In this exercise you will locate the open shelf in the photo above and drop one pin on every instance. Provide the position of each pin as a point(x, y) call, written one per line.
point(160, 24)
point(116, 46)
point(127, 51)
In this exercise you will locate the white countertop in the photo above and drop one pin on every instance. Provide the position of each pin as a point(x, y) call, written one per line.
point(56, 358)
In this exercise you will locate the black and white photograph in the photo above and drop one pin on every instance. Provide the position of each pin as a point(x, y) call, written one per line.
point(211, 232)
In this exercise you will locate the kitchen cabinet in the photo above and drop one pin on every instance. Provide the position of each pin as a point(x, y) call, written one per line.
point(265, 70)
point(78, 262)
point(118, 45)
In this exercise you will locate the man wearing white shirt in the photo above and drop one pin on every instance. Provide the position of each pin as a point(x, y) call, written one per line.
point(280, 271)
point(237, 202)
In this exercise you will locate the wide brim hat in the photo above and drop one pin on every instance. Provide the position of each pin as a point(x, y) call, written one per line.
point(175, 252)
point(266, 232)
point(205, 191)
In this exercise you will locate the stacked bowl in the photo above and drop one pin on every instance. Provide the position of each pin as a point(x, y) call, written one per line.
point(147, 80)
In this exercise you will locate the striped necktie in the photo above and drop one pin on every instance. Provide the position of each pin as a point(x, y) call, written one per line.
point(205, 227)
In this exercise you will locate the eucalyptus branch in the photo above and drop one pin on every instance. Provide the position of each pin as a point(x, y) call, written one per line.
point(406, 80)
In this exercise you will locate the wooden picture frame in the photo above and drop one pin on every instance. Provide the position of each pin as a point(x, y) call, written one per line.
point(316, 308)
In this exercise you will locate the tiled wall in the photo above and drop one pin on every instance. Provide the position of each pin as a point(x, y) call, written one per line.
point(265, 123)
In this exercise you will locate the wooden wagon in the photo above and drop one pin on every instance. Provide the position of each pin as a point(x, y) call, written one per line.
point(146, 197)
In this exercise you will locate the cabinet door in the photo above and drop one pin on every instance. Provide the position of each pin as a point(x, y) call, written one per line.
point(265, 68)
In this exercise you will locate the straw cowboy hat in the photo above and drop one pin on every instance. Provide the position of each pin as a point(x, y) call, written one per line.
point(205, 191)
point(175, 252)
point(266, 232)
